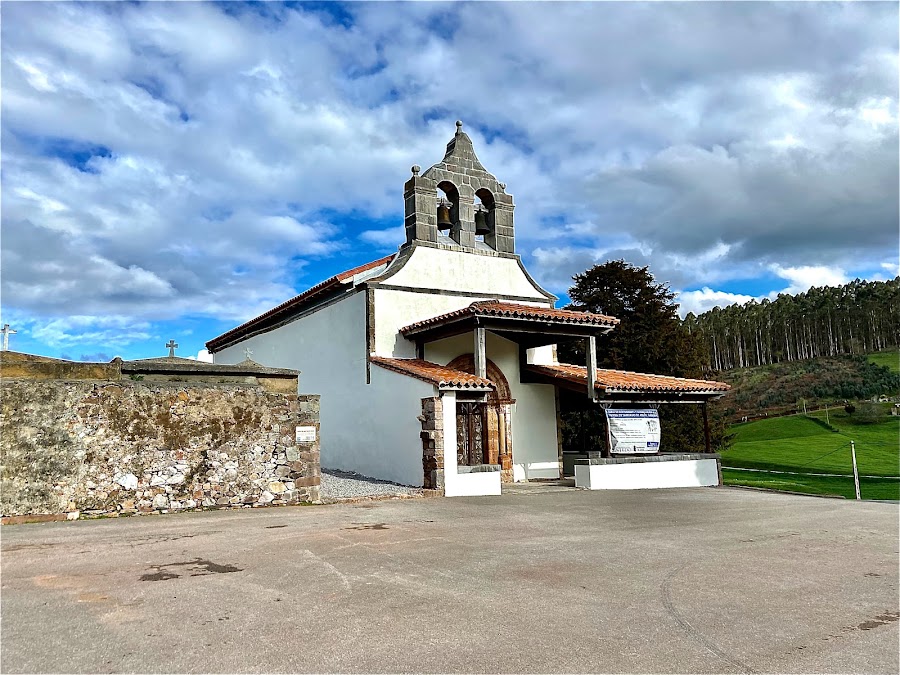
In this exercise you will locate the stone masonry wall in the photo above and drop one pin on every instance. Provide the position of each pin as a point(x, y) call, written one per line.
point(432, 419)
point(136, 447)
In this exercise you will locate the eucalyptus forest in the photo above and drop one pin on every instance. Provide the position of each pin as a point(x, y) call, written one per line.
point(856, 318)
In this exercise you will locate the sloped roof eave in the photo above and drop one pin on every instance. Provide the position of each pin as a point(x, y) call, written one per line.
point(509, 310)
point(629, 382)
point(435, 374)
point(294, 304)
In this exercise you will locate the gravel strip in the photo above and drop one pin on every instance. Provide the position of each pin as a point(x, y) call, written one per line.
point(338, 485)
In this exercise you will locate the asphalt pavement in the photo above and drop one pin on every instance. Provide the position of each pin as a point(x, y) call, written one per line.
point(706, 580)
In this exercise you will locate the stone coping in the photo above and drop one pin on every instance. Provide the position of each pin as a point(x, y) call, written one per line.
point(478, 468)
point(18, 365)
point(175, 364)
point(673, 457)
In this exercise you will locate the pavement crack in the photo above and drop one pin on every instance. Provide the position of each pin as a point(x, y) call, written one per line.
point(334, 570)
point(692, 632)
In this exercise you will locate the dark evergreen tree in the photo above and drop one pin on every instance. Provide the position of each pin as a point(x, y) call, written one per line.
point(649, 338)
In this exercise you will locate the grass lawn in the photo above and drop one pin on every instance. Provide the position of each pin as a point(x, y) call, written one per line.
point(869, 488)
point(802, 445)
point(888, 359)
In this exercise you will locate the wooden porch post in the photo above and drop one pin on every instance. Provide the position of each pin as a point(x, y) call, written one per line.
point(591, 347)
point(480, 355)
point(706, 427)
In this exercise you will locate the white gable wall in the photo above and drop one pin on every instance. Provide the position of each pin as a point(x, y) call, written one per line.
point(372, 428)
point(474, 273)
point(431, 275)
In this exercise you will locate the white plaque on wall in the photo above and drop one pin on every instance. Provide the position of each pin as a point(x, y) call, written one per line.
point(633, 431)
point(306, 435)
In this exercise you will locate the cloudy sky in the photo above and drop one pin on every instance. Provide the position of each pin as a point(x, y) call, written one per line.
point(170, 170)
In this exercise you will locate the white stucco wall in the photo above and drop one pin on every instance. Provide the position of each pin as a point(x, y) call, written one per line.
point(372, 428)
point(396, 309)
point(535, 452)
point(647, 475)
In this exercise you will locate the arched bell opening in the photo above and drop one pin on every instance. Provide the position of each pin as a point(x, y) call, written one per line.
point(484, 213)
point(447, 206)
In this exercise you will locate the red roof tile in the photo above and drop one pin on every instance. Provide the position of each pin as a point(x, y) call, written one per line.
point(434, 373)
point(626, 381)
point(498, 308)
point(293, 304)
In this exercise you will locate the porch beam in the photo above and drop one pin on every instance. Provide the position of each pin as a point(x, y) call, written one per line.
point(480, 353)
point(591, 353)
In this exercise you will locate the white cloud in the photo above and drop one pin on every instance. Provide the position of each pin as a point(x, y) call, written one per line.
point(706, 298)
point(892, 268)
point(805, 277)
point(171, 159)
point(389, 238)
point(75, 331)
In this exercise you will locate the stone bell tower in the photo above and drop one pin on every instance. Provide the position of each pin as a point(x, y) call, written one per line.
point(473, 209)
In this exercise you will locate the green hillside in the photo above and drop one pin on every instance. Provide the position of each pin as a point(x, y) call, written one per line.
point(805, 448)
point(779, 386)
point(889, 359)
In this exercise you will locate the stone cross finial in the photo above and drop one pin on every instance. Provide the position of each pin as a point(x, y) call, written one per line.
point(247, 352)
point(7, 331)
point(172, 345)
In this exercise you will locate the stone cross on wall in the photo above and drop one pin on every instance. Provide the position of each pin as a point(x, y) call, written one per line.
point(172, 345)
point(7, 331)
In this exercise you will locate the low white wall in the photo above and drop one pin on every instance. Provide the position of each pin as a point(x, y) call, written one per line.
point(462, 484)
point(647, 475)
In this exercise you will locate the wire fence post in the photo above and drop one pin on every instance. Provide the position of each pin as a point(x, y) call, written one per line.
point(855, 471)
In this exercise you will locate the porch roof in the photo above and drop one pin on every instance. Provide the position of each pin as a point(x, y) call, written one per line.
point(510, 318)
point(433, 373)
point(626, 384)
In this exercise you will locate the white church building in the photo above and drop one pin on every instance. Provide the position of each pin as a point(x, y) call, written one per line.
point(437, 365)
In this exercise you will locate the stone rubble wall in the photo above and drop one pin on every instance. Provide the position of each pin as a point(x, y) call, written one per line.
point(91, 447)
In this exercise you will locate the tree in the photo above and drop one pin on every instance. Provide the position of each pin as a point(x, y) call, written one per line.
point(649, 338)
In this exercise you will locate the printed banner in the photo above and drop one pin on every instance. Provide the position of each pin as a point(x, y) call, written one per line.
point(633, 431)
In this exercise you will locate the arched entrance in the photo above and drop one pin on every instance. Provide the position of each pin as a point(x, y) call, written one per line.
point(484, 430)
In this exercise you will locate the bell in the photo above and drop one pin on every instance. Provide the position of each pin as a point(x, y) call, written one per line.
point(481, 224)
point(443, 216)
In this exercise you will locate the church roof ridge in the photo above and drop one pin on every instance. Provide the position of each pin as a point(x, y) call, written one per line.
point(294, 303)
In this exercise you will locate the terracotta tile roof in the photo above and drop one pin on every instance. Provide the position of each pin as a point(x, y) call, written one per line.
point(498, 308)
point(293, 304)
point(434, 373)
point(612, 381)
